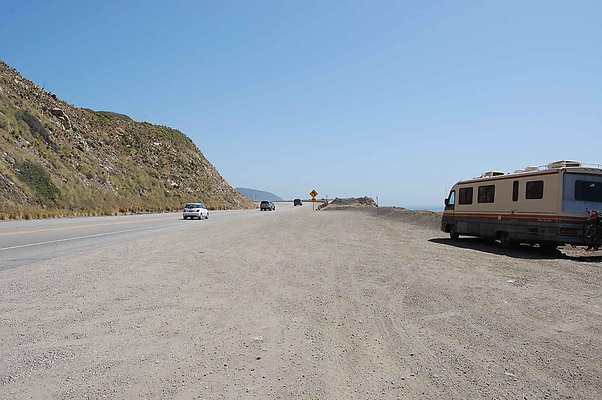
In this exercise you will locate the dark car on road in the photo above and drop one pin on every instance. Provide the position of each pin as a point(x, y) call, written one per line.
point(297, 202)
point(267, 206)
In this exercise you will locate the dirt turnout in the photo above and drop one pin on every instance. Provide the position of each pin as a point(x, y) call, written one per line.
point(303, 304)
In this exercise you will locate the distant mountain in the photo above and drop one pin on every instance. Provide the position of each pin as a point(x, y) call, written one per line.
point(57, 160)
point(258, 195)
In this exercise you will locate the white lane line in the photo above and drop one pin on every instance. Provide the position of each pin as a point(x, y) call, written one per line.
point(66, 228)
point(81, 237)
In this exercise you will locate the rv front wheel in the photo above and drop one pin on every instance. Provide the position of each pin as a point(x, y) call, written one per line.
point(453, 234)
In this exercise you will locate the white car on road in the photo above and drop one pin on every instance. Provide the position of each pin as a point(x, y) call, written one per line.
point(195, 210)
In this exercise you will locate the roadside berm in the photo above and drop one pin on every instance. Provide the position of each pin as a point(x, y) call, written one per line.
point(424, 218)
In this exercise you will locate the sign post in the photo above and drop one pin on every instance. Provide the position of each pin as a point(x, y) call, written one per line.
point(313, 195)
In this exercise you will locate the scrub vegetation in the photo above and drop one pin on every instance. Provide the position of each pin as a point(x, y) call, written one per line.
point(58, 160)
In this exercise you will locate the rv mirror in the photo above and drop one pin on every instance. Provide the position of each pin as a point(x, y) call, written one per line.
point(446, 201)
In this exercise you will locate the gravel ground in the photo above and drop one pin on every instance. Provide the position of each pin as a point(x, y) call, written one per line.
point(302, 304)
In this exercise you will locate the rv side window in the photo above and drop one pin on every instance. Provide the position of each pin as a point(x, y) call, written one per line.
point(515, 191)
point(465, 196)
point(585, 191)
point(486, 194)
point(534, 190)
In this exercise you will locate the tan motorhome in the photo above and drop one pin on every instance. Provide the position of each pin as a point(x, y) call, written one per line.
point(545, 205)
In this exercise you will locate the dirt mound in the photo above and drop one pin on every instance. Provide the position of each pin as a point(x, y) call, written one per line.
point(354, 201)
point(425, 218)
point(422, 218)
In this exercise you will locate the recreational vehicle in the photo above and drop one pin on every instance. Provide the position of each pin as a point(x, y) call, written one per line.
point(546, 205)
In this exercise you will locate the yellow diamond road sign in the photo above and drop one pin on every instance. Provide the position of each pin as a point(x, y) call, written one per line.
point(313, 193)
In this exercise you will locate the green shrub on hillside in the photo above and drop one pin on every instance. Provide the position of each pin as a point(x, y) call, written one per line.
point(39, 180)
point(35, 126)
point(111, 114)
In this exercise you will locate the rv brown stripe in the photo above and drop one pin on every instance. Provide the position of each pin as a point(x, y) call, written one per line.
point(537, 218)
point(516, 215)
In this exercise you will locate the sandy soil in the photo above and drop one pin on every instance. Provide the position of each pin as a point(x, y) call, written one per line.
point(304, 304)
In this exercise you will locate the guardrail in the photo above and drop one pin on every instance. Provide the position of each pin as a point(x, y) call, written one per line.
point(323, 205)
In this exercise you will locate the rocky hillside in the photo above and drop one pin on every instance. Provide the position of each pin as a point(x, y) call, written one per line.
point(56, 160)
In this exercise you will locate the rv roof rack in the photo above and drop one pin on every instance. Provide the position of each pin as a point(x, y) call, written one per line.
point(552, 165)
point(591, 165)
point(568, 164)
point(559, 165)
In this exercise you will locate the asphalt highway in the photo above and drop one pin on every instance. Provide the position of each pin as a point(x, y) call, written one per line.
point(27, 242)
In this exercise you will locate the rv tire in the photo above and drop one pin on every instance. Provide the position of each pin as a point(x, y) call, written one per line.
point(453, 234)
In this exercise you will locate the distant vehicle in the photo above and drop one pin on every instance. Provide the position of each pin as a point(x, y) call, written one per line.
point(297, 202)
point(544, 205)
point(195, 210)
point(267, 206)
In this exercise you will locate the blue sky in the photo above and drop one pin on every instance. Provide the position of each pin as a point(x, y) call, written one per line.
point(395, 99)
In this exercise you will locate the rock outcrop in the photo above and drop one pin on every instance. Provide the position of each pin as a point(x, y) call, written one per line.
point(354, 202)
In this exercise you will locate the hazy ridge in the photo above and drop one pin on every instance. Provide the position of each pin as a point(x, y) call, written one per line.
point(258, 195)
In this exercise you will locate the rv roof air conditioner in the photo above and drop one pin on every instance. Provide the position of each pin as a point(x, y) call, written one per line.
point(491, 173)
point(563, 164)
point(531, 169)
